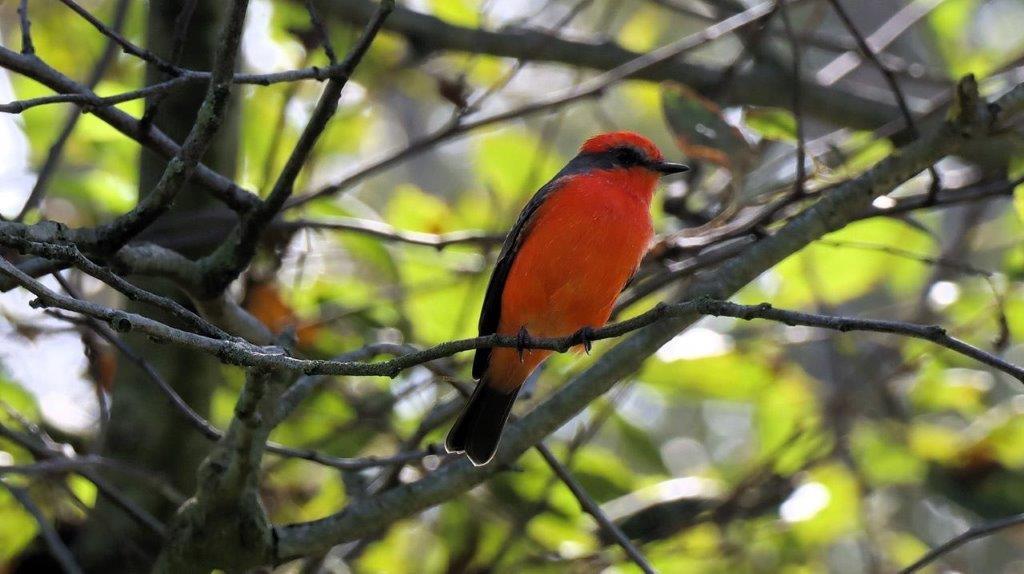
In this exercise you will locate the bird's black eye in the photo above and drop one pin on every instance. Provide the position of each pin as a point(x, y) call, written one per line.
point(628, 157)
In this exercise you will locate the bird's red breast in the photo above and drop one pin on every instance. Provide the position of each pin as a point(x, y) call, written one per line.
point(581, 248)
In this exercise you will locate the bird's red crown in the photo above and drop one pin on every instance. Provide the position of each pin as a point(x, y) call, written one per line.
point(611, 140)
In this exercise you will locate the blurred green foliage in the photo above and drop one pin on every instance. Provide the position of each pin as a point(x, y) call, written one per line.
point(756, 401)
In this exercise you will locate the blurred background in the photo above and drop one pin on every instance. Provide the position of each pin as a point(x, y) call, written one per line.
point(739, 446)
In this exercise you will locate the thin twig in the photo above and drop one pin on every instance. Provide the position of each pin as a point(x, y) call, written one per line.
point(801, 152)
point(27, 48)
point(592, 508)
point(245, 354)
point(388, 233)
point(211, 432)
point(53, 156)
point(58, 549)
point(88, 99)
point(589, 89)
point(75, 464)
point(40, 449)
point(883, 36)
point(894, 87)
point(869, 53)
point(126, 45)
point(224, 265)
point(752, 50)
point(94, 354)
point(321, 32)
point(476, 103)
point(973, 533)
point(71, 254)
point(181, 24)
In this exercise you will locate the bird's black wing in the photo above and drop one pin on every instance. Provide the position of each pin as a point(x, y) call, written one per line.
point(490, 315)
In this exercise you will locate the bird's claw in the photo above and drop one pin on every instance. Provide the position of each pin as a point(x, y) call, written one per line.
point(585, 337)
point(522, 341)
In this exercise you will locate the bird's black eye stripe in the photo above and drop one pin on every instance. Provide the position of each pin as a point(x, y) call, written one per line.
point(626, 156)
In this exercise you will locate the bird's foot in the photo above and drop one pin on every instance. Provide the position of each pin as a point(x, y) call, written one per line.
point(522, 341)
point(585, 337)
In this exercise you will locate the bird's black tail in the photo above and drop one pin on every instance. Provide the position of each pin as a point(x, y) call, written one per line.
point(478, 429)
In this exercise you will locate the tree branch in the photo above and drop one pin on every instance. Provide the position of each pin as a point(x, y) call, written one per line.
point(111, 236)
point(386, 232)
point(232, 257)
point(69, 253)
point(42, 451)
point(221, 187)
point(247, 354)
point(126, 46)
point(592, 88)
point(890, 80)
point(53, 156)
point(762, 84)
point(76, 463)
point(224, 525)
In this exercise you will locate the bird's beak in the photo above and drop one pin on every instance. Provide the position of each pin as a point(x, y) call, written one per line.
point(668, 167)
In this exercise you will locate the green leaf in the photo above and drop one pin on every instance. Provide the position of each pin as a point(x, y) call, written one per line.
point(508, 163)
point(17, 528)
point(772, 123)
point(565, 536)
point(939, 389)
point(786, 421)
point(732, 376)
point(904, 548)
point(458, 12)
point(408, 548)
point(641, 32)
point(825, 507)
point(883, 458)
point(835, 274)
point(701, 130)
point(413, 209)
point(950, 22)
point(601, 473)
point(934, 442)
point(19, 400)
point(638, 445)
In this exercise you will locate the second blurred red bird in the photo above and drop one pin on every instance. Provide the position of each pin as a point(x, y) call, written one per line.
point(560, 270)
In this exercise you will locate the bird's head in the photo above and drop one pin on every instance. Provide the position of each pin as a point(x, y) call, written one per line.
point(630, 151)
point(626, 160)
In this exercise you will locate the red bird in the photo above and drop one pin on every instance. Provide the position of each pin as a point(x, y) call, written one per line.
point(560, 270)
